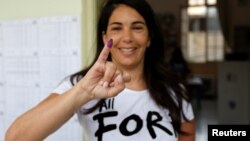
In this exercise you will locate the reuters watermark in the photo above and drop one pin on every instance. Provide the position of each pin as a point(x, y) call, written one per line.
point(240, 132)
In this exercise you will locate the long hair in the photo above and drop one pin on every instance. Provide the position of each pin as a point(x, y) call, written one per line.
point(163, 85)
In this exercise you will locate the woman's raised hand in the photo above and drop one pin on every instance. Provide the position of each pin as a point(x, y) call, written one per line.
point(104, 80)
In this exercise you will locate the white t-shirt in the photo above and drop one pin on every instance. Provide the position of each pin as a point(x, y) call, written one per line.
point(131, 115)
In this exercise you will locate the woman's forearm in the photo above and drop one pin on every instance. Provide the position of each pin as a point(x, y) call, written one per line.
point(39, 122)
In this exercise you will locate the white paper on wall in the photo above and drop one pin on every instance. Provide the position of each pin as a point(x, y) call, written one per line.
point(35, 55)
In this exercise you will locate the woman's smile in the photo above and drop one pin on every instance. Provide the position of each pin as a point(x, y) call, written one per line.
point(127, 50)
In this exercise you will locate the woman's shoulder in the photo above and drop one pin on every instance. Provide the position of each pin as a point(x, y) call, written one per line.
point(63, 86)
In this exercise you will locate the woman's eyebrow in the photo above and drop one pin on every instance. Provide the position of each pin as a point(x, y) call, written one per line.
point(115, 23)
point(134, 23)
point(139, 22)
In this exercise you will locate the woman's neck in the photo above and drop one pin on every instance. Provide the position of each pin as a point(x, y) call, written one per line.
point(137, 81)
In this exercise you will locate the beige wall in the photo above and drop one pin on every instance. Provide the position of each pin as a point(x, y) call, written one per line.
point(35, 8)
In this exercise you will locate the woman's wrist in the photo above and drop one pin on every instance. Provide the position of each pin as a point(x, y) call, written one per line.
point(81, 95)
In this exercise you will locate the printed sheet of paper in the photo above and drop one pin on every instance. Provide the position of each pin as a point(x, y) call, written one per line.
point(35, 55)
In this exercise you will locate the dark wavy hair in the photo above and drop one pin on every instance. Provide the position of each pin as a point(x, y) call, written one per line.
point(164, 86)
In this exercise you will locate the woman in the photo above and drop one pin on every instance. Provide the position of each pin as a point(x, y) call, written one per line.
point(128, 94)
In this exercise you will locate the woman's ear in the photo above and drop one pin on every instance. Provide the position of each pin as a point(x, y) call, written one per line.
point(148, 43)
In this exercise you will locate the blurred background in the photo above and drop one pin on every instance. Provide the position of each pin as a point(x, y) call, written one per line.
point(43, 41)
point(214, 37)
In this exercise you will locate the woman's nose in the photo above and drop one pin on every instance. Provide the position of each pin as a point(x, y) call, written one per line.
point(127, 35)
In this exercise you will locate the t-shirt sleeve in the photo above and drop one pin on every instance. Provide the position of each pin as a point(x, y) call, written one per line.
point(187, 110)
point(64, 86)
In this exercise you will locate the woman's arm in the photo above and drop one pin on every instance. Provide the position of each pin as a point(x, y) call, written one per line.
point(42, 120)
point(189, 128)
point(103, 80)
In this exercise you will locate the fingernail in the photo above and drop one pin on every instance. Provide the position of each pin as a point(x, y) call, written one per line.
point(110, 43)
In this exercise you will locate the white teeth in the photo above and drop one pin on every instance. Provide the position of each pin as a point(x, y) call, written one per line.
point(127, 49)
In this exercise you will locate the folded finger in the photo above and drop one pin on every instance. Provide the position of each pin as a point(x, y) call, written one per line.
point(109, 74)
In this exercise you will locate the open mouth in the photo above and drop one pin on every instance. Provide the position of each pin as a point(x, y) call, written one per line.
point(127, 50)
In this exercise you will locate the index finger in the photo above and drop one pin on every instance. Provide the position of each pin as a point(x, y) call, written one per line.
point(105, 51)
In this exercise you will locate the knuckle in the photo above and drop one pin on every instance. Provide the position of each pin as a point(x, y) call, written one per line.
point(111, 65)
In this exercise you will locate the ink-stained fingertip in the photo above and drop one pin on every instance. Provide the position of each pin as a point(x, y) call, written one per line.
point(110, 43)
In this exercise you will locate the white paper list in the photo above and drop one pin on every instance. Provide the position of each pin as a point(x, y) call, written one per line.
point(35, 55)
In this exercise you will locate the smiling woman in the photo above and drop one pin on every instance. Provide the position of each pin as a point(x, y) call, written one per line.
point(127, 93)
point(131, 37)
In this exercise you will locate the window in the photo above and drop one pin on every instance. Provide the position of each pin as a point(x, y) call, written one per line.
point(202, 40)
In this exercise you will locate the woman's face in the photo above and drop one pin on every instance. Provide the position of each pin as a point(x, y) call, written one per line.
point(130, 37)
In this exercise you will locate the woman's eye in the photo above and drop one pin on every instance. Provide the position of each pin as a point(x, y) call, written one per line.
point(115, 28)
point(138, 28)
